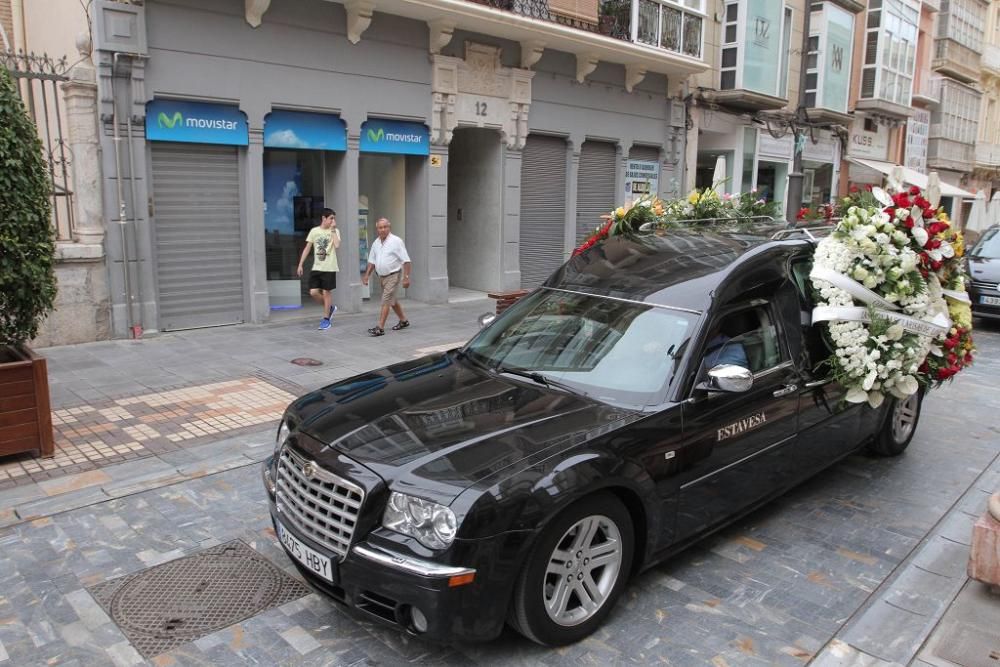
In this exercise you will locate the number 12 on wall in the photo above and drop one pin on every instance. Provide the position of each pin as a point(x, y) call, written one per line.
point(481, 108)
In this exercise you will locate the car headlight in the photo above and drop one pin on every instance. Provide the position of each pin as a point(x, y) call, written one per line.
point(283, 432)
point(433, 525)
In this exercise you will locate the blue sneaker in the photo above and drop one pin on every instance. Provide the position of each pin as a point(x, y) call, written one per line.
point(324, 324)
point(333, 311)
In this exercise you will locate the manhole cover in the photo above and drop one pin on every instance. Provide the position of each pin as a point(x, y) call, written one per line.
point(165, 606)
point(306, 361)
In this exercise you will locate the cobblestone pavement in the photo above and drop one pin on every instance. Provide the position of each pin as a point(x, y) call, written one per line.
point(774, 588)
point(122, 400)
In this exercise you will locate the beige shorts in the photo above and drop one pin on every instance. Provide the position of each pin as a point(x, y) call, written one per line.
point(390, 284)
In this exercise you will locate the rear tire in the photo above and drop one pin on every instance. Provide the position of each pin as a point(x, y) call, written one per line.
point(899, 427)
point(575, 572)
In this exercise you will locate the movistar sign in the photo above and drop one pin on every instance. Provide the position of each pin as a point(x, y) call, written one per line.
point(392, 136)
point(195, 122)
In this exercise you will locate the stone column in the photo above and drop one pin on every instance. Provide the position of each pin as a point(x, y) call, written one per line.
point(574, 145)
point(80, 94)
point(510, 248)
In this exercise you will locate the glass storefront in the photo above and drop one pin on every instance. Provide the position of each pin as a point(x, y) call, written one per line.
point(296, 146)
point(293, 199)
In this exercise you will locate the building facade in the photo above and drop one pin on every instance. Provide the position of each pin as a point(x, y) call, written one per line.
point(744, 108)
point(45, 45)
point(492, 140)
point(986, 173)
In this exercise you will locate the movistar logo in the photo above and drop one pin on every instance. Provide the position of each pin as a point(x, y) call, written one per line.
point(163, 120)
point(375, 136)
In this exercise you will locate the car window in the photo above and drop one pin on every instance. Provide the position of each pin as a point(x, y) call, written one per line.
point(988, 246)
point(746, 337)
point(815, 338)
point(616, 351)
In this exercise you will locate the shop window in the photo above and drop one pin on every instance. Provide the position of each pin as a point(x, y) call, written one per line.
point(293, 199)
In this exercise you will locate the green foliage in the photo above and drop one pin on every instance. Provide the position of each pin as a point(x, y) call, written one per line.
point(27, 247)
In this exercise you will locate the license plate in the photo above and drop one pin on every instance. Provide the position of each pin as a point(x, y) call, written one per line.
point(312, 559)
point(990, 300)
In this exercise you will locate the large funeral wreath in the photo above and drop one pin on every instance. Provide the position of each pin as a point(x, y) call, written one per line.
point(889, 283)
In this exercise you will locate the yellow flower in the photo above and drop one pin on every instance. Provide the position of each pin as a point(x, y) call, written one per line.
point(658, 209)
point(693, 197)
point(958, 243)
point(620, 212)
point(943, 216)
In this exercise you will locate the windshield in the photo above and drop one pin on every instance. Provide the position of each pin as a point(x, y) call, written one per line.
point(614, 351)
point(988, 246)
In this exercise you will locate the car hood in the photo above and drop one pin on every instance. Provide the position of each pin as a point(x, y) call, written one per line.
point(439, 424)
point(984, 269)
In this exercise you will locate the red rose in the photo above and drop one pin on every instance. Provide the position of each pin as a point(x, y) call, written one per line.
point(924, 368)
point(803, 212)
point(968, 358)
point(868, 187)
point(933, 229)
point(950, 343)
point(933, 244)
point(952, 358)
point(909, 223)
point(943, 374)
point(921, 202)
point(853, 189)
point(936, 265)
point(914, 190)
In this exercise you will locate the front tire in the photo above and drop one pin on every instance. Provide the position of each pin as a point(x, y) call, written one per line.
point(899, 427)
point(575, 572)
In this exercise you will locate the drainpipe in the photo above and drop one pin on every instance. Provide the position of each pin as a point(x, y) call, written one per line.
point(795, 178)
point(136, 326)
point(123, 223)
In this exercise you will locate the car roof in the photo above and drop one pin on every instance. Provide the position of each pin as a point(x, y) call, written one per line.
point(678, 268)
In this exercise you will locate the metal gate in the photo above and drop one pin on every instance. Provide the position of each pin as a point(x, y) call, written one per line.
point(37, 80)
point(543, 208)
point(596, 189)
point(196, 222)
point(651, 153)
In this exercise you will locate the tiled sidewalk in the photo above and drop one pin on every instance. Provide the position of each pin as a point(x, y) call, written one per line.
point(111, 431)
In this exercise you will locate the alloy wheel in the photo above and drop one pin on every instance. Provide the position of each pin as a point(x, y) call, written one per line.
point(582, 570)
point(904, 417)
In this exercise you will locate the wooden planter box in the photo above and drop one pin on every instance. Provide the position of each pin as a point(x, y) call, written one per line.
point(25, 419)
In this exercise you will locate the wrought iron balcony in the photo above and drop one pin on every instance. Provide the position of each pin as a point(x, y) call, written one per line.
point(665, 24)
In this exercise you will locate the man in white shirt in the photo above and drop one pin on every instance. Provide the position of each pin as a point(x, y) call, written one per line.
point(389, 259)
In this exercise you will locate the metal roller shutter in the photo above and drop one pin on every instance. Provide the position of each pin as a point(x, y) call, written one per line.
point(595, 186)
point(199, 255)
point(644, 153)
point(543, 208)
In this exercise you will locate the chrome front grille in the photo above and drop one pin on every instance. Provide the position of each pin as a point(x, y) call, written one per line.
point(320, 504)
point(981, 284)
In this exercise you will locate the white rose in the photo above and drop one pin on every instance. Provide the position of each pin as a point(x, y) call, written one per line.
point(875, 398)
point(895, 332)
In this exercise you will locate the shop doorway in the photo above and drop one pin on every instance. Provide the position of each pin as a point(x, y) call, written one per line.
point(293, 199)
point(772, 180)
point(475, 209)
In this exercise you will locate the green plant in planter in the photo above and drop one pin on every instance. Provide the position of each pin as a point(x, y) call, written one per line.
point(27, 247)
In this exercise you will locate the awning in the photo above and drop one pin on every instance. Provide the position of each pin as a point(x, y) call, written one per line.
point(912, 177)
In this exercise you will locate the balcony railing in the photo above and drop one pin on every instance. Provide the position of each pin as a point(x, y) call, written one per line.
point(991, 58)
point(956, 60)
point(663, 24)
point(987, 154)
point(949, 154)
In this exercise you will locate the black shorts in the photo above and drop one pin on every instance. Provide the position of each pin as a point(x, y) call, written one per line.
point(324, 280)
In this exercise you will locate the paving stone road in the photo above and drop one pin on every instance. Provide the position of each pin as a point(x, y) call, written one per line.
point(775, 588)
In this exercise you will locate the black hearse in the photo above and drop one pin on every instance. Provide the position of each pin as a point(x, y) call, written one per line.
point(654, 389)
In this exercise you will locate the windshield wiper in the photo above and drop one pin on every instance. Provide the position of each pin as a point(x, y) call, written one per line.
point(462, 354)
point(539, 378)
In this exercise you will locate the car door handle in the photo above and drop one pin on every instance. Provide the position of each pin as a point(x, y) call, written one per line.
point(817, 383)
point(786, 390)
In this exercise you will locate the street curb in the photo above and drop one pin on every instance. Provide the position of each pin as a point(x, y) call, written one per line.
point(31, 503)
point(894, 624)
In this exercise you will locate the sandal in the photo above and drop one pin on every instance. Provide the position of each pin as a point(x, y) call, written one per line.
point(401, 325)
point(376, 331)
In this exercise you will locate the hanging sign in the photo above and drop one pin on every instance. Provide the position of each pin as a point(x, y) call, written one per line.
point(642, 178)
point(196, 123)
point(305, 131)
point(393, 136)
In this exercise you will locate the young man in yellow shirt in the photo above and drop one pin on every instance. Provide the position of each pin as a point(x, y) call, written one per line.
point(325, 238)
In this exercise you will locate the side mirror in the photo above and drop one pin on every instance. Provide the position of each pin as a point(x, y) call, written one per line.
point(486, 319)
point(729, 378)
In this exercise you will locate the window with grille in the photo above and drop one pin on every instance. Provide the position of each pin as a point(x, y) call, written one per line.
point(812, 70)
point(730, 46)
point(890, 50)
point(963, 21)
point(674, 25)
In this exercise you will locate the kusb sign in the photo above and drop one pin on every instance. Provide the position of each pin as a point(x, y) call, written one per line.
point(195, 123)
